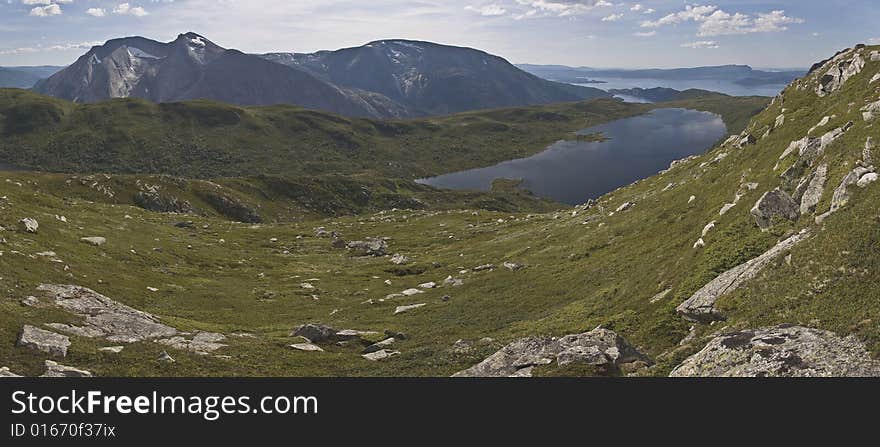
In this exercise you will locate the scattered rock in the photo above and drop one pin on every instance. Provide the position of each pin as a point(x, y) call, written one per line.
point(380, 355)
point(513, 266)
point(427, 285)
point(660, 296)
point(776, 203)
point(396, 335)
point(867, 179)
point(781, 351)
point(316, 333)
point(117, 322)
point(701, 306)
point(624, 207)
point(404, 309)
point(600, 347)
point(813, 188)
point(352, 334)
point(453, 282)
point(388, 342)
point(709, 227)
point(42, 340)
point(29, 225)
point(201, 343)
point(399, 259)
point(481, 268)
point(699, 244)
point(56, 370)
point(79, 331)
point(5, 372)
point(370, 247)
point(870, 111)
point(112, 349)
point(164, 357)
point(97, 241)
point(308, 347)
point(841, 194)
point(411, 292)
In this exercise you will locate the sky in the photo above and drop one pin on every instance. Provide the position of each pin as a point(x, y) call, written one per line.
point(594, 33)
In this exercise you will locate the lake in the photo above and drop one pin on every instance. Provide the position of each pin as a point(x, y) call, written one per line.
point(574, 171)
point(720, 86)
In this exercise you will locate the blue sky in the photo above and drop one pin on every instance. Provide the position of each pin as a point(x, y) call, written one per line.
point(599, 33)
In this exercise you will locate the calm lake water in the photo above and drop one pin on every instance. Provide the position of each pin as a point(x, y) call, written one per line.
point(573, 172)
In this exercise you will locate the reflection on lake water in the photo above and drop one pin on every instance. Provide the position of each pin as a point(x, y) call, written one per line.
point(573, 171)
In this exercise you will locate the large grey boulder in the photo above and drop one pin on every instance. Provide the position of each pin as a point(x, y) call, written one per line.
point(776, 203)
point(700, 307)
point(114, 321)
point(369, 247)
point(42, 340)
point(54, 369)
point(841, 194)
point(316, 333)
point(600, 347)
point(781, 351)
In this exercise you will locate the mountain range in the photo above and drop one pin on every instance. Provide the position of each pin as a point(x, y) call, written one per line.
point(386, 79)
point(25, 77)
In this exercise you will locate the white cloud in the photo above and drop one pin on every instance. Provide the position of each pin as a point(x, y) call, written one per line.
point(96, 12)
point(702, 44)
point(46, 11)
point(638, 7)
point(126, 9)
point(59, 47)
point(492, 10)
point(717, 22)
point(612, 18)
point(645, 34)
point(559, 8)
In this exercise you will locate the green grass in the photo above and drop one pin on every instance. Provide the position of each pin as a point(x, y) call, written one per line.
point(584, 268)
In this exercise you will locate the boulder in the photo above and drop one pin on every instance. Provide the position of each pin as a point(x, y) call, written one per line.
point(316, 333)
point(115, 321)
point(484, 267)
point(97, 241)
point(308, 347)
point(370, 247)
point(404, 309)
point(29, 225)
point(624, 207)
point(870, 111)
point(399, 259)
point(201, 343)
point(781, 351)
point(55, 370)
point(513, 266)
point(112, 349)
point(601, 348)
point(700, 307)
point(453, 282)
point(380, 355)
point(5, 372)
point(841, 194)
point(165, 357)
point(813, 189)
point(42, 340)
point(387, 343)
point(867, 179)
point(776, 203)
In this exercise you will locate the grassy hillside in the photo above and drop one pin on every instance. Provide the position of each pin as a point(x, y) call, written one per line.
point(584, 267)
point(206, 140)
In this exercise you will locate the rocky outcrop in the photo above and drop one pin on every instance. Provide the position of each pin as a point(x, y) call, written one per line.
point(54, 369)
point(700, 307)
point(201, 343)
point(316, 333)
point(114, 321)
point(370, 247)
point(841, 194)
point(151, 199)
point(782, 351)
point(6, 372)
point(601, 348)
point(42, 340)
point(809, 192)
point(839, 70)
point(231, 207)
point(776, 203)
point(870, 111)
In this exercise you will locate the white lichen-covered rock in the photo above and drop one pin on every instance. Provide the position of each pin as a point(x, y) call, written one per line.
point(838, 71)
point(776, 203)
point(29, 225)
point(867, 179)
point(115, 321)
point(811, 189)
point(201, 343)
point(781, 351)
point(380, 355)
point(841, 194)
point(42, 340)
point(700, 307)
point(870, 111)
point(54, 369)
point(601, 348)
point(405, 309)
